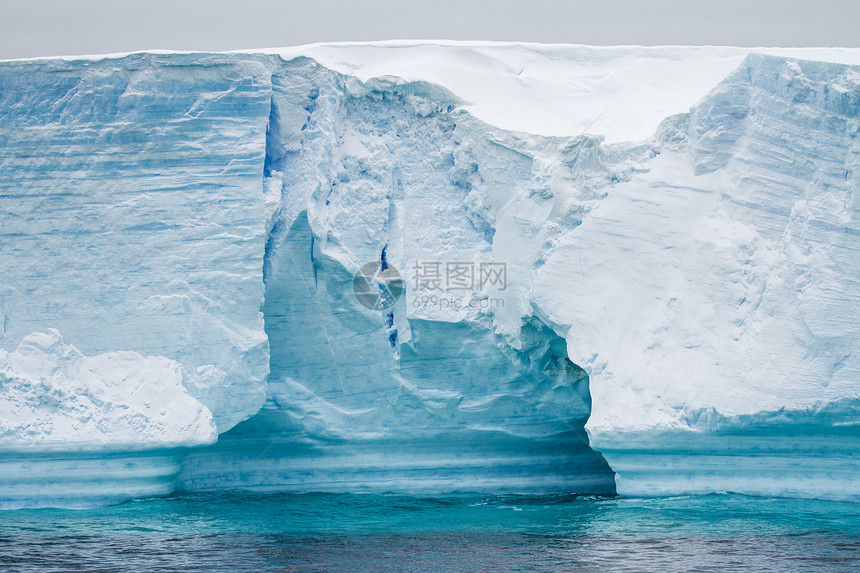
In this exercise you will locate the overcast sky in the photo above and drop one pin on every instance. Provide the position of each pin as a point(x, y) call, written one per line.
point(54, 27)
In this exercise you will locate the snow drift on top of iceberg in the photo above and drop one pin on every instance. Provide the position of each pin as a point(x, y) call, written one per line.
point(54, 397)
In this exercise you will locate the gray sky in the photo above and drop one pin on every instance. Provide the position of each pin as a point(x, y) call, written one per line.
point(54, 27)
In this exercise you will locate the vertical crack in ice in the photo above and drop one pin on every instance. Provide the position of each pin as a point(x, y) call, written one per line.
point(532, 404)
point(387, 295)
point(313, 262)
point(334, 359)
point(390, 229)
point(272, 162)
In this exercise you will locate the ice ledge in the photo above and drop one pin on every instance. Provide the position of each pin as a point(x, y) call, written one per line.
point(53, 398)
point(82, 431)
point(477, 461)
point(809, 453)
point(79, 480)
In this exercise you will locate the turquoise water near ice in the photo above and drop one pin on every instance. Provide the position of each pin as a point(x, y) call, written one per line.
point(336, 532)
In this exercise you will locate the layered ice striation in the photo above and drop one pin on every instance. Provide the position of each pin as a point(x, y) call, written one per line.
point(426, 395)
point(133, 217)
point(192, 225)
point(714, 300)
point(132, 221)
point(63, 417)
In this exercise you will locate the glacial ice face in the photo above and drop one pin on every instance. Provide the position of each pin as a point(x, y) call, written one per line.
point(725, 280)
point(288, 177)
point(745, 274)
point(416, 397)
point(132, 220)
point(701, 285)
point(134, 216)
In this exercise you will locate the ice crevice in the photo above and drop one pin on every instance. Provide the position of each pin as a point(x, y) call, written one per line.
point(404, 397)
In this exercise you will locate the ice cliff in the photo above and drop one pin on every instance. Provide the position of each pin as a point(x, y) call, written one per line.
point(716, 305)
point(180, 236)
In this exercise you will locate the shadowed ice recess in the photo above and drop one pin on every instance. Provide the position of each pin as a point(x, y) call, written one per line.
point(179, 235)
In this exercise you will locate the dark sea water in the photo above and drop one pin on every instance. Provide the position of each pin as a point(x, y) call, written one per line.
point(327, 532)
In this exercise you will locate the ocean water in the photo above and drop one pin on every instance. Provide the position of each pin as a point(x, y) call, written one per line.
point(330, 532)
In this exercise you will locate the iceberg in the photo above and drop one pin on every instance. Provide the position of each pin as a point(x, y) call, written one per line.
point(392, 268)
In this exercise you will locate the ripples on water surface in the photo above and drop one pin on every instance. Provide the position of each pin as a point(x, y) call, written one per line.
point(322, 532)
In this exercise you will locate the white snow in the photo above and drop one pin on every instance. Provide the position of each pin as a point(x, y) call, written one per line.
point(619, 92)
point(53, 398)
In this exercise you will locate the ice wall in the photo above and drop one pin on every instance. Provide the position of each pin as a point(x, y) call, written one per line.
point(132, 219)
point(691, 297)
point(420, 396)
point(714, 300)
point(199, 183)
point(134, 216)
